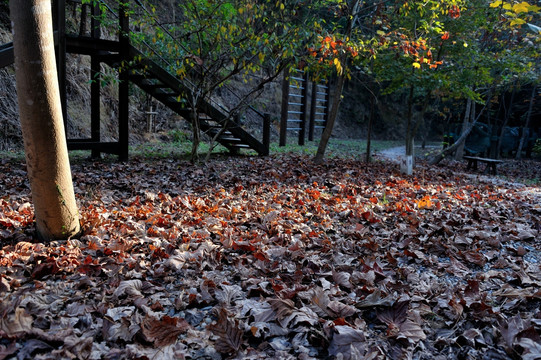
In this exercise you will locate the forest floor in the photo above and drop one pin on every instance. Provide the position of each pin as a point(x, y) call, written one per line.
point(259, 258)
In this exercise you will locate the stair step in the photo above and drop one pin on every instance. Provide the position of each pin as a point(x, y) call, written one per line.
point(163, 91)
point(137, 77)
point(172, 100)
point(157, 86)
point(240, 146)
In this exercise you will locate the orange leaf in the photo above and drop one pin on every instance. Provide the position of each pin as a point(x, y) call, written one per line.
point(424, 203)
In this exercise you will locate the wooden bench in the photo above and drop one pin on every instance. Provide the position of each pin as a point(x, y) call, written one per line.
point(491, 164)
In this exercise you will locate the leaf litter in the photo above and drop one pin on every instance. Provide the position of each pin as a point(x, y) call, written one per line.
point(253, 258)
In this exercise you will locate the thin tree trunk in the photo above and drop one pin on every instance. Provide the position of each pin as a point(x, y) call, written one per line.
point(196, 135)
point(465, 124)
point(326, 135)
point(506, 120)
point(369, 134)
point(41, 120)
point(409, 128)
point(525, 131)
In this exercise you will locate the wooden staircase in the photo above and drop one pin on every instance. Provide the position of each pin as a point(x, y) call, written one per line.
point(171, 92)
point(164, 87)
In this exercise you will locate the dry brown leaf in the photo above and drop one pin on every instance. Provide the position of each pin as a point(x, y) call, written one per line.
point(16, 323)
point(399, 325)
point(129, 288)
point(375, 299)
point(229, 294)
point(7, 350)
point(411, 331)
point(532, 349)
point(394, 315)
point(342, 278)
point(282, 307)
point(230, 337)
point(348, 342)
point(321, 300)
point(165, 331)
point(340, 309)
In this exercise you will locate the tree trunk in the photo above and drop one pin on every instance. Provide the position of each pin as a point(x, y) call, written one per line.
point(409, 127)
point(369, 134)
point(506, 120)
point(406, 166)
point(196, 135)
point(465, 124)
point(41, 120)
point(326, 135)
point(525, 131)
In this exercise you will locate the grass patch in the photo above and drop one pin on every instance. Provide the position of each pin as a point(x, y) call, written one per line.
point(181, 148)
point(336, 148)
point(17, 155)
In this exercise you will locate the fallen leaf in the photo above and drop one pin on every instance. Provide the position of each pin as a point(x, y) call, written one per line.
point(348, 342)
point(164, 331)
point(230, 337)
point(16, 323)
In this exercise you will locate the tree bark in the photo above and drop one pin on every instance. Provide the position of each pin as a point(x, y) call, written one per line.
point(41, 120)
point(369, 134)
point(326, 135)
point(409, 125)
point(465, 124)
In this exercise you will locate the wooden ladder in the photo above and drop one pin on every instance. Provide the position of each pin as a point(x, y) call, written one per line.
point(295, 98)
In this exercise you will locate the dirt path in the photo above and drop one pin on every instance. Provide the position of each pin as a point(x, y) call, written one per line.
point(394, 154)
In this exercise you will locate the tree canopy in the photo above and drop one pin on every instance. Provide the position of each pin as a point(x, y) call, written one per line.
point(420, 50)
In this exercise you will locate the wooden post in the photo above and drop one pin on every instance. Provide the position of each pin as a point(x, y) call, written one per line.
point(285, 101)
point(304, 102)
point(266, 133)
point(151, 124)
point(95, 77)
point(236, 122)
point(82, 25)
point(312, 121)
point(124, 85)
